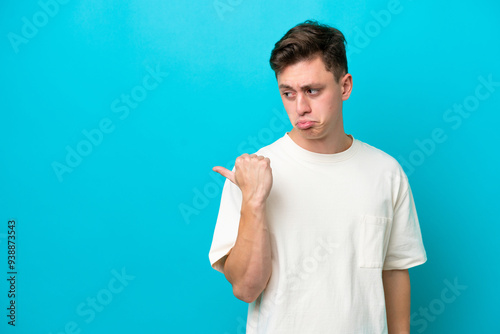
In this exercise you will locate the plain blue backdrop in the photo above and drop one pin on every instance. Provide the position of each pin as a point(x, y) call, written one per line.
point(114, 112)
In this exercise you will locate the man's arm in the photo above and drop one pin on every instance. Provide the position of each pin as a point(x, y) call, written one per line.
point(248, 264)
point(397, 292)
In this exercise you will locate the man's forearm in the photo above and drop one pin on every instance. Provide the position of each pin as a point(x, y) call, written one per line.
point(397, 290)
point(248, 265)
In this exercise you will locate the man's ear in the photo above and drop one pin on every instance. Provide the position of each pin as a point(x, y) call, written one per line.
point(346, 85)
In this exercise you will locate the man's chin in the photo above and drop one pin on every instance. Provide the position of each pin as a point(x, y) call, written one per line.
point(309, 133)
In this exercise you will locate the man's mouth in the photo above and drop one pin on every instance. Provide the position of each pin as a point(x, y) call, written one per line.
point(304, 125)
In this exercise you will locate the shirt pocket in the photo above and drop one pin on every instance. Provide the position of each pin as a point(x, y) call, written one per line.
point(373, 240)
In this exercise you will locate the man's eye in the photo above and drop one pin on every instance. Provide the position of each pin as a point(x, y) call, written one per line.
point(313, 91)
point(287, 94)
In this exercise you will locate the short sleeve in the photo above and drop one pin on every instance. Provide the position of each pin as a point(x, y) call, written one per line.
point(226, 227)
point(405, 246)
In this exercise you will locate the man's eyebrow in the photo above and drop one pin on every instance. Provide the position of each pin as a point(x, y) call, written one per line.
point(306, 86)
point(284, 86)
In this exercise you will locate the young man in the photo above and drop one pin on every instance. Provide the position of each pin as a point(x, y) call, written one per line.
point(322, 242)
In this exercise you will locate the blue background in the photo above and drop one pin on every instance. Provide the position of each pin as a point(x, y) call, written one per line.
point(143, 198)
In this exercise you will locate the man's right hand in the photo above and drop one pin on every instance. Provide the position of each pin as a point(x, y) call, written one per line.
point(253, 175)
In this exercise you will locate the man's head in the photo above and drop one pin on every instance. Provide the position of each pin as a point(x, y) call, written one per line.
point(307, 40)
point(311, 69)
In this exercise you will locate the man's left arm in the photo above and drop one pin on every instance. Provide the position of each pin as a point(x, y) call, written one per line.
point(397, 292)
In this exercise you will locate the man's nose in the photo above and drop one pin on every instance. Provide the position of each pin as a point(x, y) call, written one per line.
point(302, 105)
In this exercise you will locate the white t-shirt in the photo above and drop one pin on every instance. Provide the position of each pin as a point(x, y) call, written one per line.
point(335, 221)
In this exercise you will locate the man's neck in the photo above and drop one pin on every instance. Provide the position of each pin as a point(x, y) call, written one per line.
point(326, 145)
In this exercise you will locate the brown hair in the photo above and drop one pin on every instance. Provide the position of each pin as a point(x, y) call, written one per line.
point(305, 41)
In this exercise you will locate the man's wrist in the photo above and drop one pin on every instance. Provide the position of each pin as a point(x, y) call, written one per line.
point(253, 204)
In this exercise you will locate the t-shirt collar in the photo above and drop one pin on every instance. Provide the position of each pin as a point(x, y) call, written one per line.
point(303, 154)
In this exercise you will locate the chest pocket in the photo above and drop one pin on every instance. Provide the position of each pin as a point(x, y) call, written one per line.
point(373, 241)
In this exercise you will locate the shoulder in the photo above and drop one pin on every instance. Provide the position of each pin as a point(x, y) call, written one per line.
point(270, 149)
point(380, 160)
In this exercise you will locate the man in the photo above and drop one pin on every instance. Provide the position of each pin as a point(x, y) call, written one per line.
point(322, 241)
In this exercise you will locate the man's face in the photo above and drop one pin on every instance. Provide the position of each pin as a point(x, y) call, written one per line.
point(313, 100)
